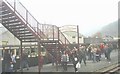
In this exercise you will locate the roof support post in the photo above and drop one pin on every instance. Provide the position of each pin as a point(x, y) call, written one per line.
point(21, 52)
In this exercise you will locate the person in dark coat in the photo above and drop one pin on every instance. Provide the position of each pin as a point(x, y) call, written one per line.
point(108, 51)
point(64, 60)
point(24, 60)
point(89, 53)
point(82, 55)
point(75, 60)
point(7, 61)
point(13, 56)
point(53, 53)
point(98, 52)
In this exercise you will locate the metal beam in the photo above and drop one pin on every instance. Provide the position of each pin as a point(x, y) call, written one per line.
point(78, 35)
point(21, 51)
point(39, 57)
point(10, 22)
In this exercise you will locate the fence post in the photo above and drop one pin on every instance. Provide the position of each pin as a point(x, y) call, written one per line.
point(21, 51)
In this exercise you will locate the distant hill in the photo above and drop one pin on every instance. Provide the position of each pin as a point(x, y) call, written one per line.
point(108, 30)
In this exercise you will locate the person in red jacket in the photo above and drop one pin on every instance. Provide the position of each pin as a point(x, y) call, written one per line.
point(102, 46)
point(41, 61)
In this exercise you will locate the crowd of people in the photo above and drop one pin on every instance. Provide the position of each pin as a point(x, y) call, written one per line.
point(9, 61)
point(92, 52)
point(76, 55)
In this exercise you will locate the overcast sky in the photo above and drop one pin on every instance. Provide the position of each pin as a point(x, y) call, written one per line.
point(90, 15)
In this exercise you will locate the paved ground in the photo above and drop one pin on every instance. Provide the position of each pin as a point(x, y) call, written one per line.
point(91, 67)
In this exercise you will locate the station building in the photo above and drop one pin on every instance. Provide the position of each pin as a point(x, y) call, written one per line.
point(71, 32)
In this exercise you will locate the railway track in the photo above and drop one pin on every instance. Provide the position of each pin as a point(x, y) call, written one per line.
point(115, 70)
point(111, 69)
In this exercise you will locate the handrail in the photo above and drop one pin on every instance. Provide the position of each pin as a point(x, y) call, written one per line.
point(65, 37)
point(27, 12)
point(39, 32)
point(66, 40)
point(28, 17)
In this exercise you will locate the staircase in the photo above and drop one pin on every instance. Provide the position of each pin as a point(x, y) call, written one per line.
point(18, 25)
point(17, 19)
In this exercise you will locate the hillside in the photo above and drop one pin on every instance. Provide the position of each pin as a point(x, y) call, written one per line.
point(109, 30)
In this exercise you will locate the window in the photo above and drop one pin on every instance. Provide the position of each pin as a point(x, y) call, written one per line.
point(74, 42)
point(32, 50)
point(73, 36)
point(80, 37)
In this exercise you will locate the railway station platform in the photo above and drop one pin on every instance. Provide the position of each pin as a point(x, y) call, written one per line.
point(90, 67)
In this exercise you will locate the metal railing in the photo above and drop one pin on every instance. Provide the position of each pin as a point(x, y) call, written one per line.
point(44, 31)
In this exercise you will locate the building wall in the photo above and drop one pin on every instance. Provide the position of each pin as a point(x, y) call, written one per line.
point(73, 38)
point(9, 39)
point(81, 40)
point(70, 32)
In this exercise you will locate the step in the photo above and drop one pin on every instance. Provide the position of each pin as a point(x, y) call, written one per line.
point(14, 25)
point(23, 33)
point(26, 37)
point(7, 15)
point(18, 23)
point(16, 20)
point(19, 30)
point(4, 11)
point(29, 40)
point(18, 27)
point(10, 22)
point(6, 19)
